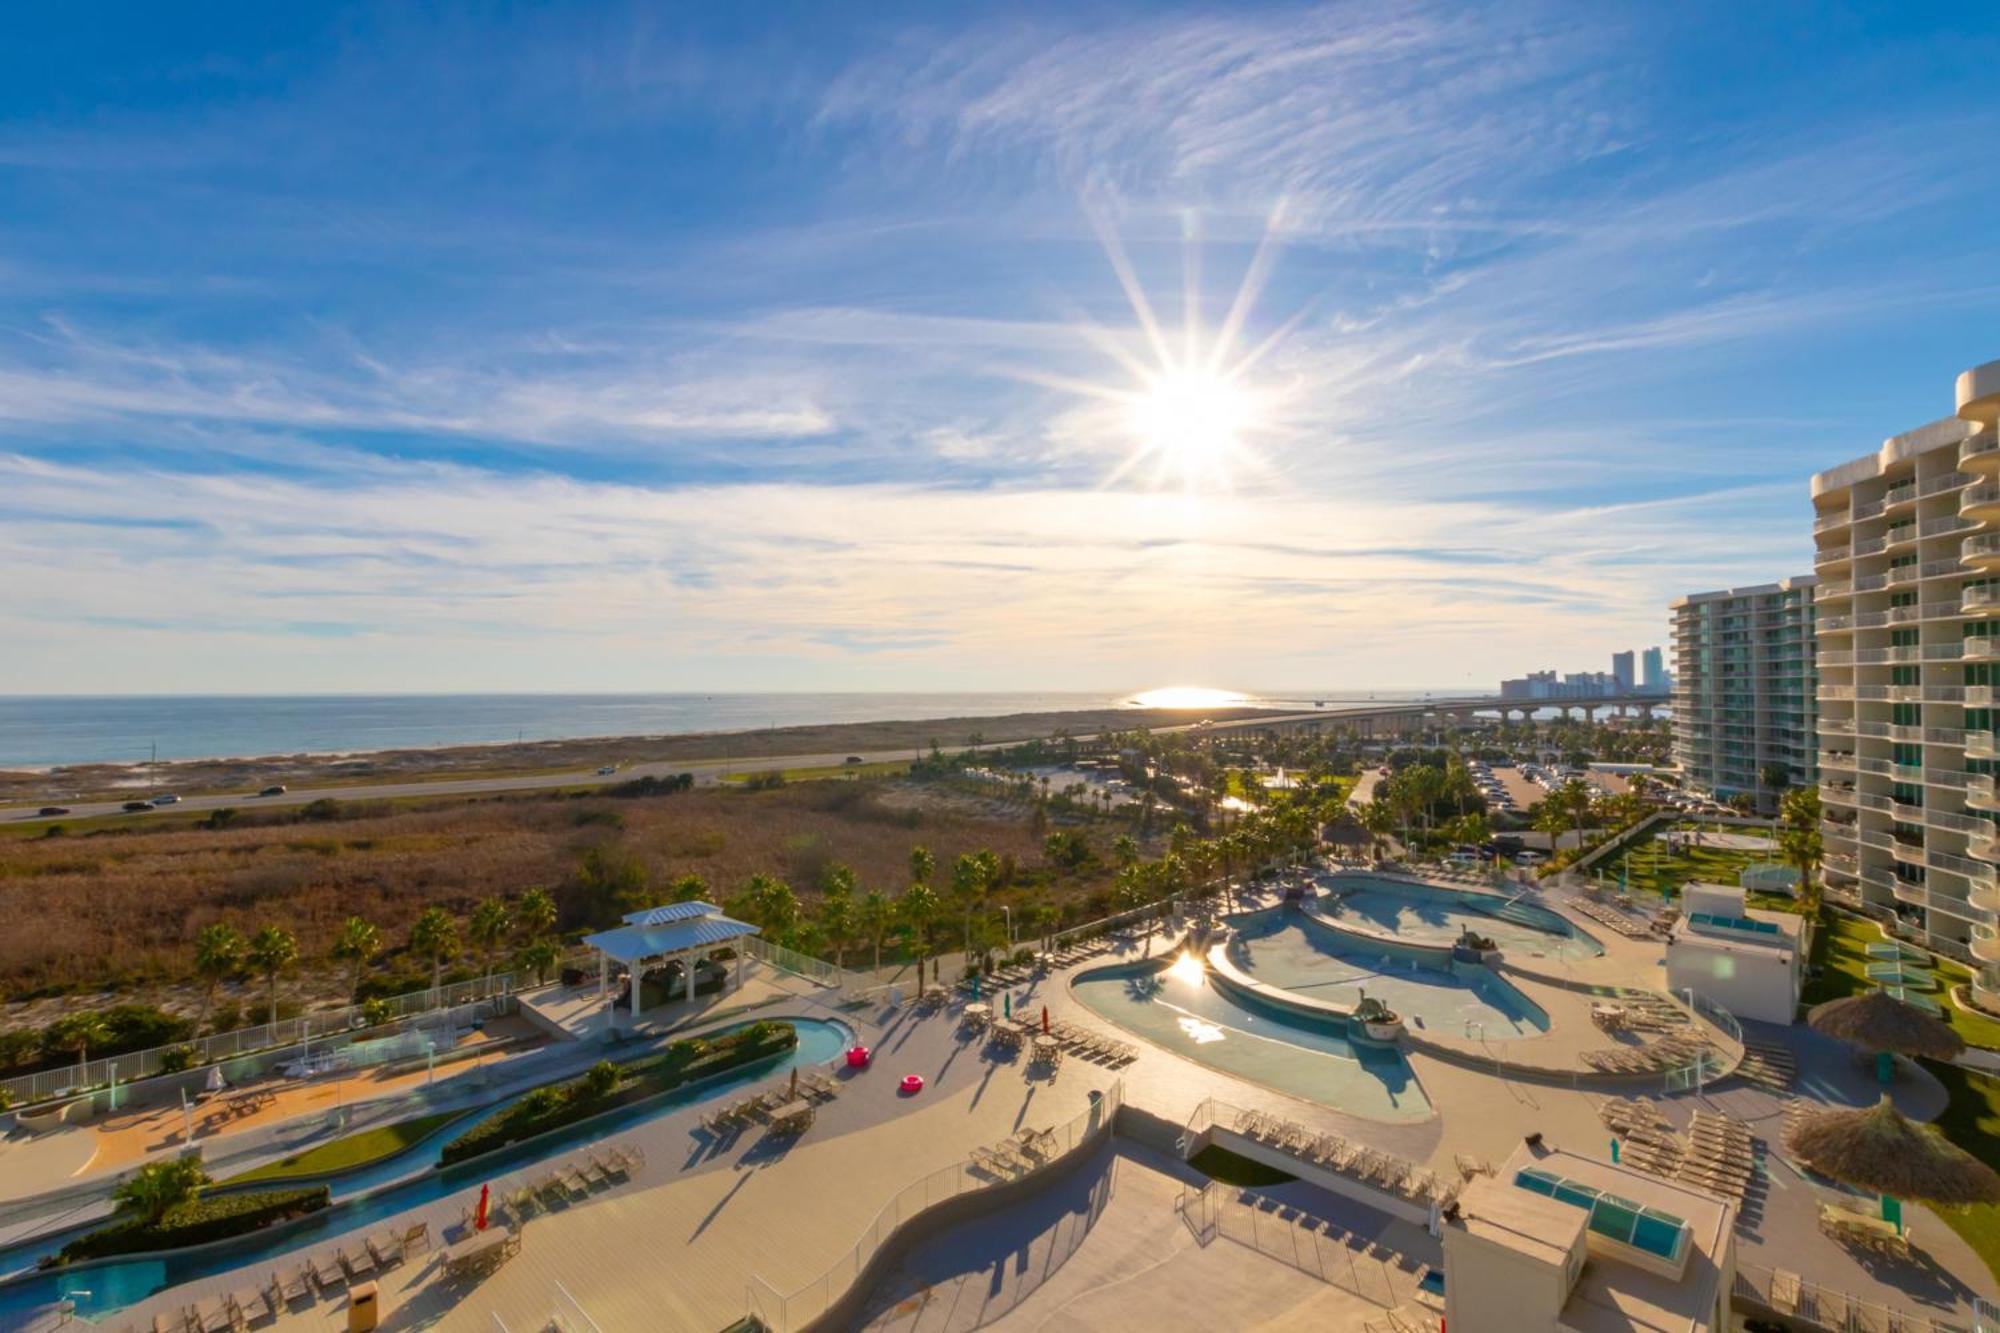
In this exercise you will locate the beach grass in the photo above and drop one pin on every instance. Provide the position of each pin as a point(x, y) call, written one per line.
point(885, 768)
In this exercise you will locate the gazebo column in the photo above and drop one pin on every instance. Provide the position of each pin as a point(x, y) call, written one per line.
point(603, 975)
point(636, 970)
point(687, 965)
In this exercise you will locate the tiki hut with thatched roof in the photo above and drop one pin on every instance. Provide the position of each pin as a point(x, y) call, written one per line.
point(1883, 1025)
point(1878, 1148)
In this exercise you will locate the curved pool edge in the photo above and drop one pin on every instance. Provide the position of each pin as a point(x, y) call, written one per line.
point(1468, 894)
point(1308, 1009)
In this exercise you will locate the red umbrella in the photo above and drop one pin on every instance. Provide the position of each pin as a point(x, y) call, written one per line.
point(479, 1222)
point(1045, 1020)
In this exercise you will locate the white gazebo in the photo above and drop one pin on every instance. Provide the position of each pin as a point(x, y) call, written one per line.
point(657, 936)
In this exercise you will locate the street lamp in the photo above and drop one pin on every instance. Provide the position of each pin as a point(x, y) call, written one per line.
point(1008, 912)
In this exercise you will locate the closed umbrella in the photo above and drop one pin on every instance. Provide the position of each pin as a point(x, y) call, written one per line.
point(216, 1083)
point(1045, 1020)
point(479, 1222)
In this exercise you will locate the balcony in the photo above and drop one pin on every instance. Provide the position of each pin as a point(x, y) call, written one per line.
point(1900, 535)
point(1836, 692)
point(1909, 814)
point(1944, 736)
point(1979, 597)
point(1981, 696)
point(1959, 865)
point(1981, 552)
point(1909, 853)
point(1840, 863)
point(1980, 649)
point(1981, 745)
point(1839, 518)
point(1980, 453)
point(1985, 898)
point(1979, 793)
point(1843, 759)
point(1986, 988)
point(1834, 795)
point(1983, 846)
point(1981, 503)
point(1985, 944)
point(1832, 555)
point(1914, 894)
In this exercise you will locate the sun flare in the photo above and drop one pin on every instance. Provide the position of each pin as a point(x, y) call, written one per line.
point(1187, 696)
point(1191, 424)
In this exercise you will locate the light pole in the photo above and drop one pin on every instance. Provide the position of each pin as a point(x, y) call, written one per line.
point(1008, 913)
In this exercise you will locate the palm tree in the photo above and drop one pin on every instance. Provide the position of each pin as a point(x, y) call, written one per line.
point(971, 874)
point(434, 935)
point(157, 1187)
point(1124, 850)
point(540, 956)
point(688, 889)
point(874, 915)
point(79, 1032)
point(836, 910)
point(272, 951)
point(535, 914)
point(488, 927)
point(218, 952)
point(919, 907)
point(922, 864)
point(1803, 844)
point(357, 942)
point(770, 902)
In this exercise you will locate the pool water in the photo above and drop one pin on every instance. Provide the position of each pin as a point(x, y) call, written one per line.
point(1173, 1004)
point(1280, 947)
point(1428, 914)
point(104, 1289)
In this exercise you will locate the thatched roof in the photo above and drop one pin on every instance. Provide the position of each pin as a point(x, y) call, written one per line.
point(1878, 1149)
point(1347, 832)
point(1877, 1021)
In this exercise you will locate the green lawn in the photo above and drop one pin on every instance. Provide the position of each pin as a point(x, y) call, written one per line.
point(1972, 1121)
point(883, 768)
point(1840, 951)
point(1653, 869)
point(362, 1149)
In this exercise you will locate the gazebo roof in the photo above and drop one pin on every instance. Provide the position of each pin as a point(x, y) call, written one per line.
point(660, 916)
point(637, 942)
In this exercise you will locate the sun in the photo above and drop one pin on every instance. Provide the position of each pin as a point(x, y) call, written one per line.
point(1190, 425)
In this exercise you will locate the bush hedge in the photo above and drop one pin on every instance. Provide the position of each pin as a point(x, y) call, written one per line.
point(196, 1222)
point(608, 1085)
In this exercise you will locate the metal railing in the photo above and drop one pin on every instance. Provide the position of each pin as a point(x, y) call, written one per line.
point(1316, 1248)
point(568, 1314)
point(783, 1312)
point(1804, 1302)
point(816, 970)
point(276, 1040)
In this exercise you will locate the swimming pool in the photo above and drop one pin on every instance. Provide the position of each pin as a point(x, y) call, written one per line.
point(1431, 914)
point(1295, 952)
point(1175, 1004)
point(104, 1289)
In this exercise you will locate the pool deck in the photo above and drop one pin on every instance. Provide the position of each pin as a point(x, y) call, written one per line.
point(680, 1246)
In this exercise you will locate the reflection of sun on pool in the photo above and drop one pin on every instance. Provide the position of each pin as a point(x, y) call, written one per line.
point(1186, 968)
point(1187, 696)
point(1199, 1032)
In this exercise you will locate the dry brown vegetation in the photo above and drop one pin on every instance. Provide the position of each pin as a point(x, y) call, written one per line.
point(121, 906)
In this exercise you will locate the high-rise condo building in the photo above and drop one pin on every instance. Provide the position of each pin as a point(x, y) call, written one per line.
point(1743, 689)
point(1653, 676)
point(1621, 671)
point(1908, 554)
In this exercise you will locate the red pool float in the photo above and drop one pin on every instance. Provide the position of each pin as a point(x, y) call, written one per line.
point(858, 1057)
point(913, 1083)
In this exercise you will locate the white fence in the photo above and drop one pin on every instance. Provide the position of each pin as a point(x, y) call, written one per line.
point(802, 964)
point(1706, 1067)
point(783, 1313)
point(277, 1039)
point(1314, 1246)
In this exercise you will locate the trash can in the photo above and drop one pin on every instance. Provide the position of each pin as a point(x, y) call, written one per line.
point(364, 1310)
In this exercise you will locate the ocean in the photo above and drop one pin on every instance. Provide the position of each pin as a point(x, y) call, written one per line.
point(45, 731)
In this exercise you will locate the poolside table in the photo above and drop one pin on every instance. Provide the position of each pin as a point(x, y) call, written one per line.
point(979, 1015)
point(477, 1253)
point(1047, 1049)
point(792, 1117)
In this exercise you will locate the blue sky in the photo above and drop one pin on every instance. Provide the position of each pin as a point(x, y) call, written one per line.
point(787, 347)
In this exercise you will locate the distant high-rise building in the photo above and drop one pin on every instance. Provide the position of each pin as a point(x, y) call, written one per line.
point(1907, 544)
point(1744, 701)
point(1621, 671)
point(1653, 679)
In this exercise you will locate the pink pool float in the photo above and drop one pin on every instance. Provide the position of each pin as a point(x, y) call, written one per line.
point(913, 1083)
point(858, 1057)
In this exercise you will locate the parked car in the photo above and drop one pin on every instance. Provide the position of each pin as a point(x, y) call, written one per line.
point(275, 789)
point(53, 810)
point(134, 807)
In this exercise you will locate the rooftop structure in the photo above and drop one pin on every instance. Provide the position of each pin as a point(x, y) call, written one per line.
point(658, 936)
point(1557, 1240)
point(1908, 553)
point(1743, 688)
point(1750, 962)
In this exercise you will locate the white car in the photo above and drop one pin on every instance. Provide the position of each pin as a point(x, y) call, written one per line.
point(607, 770)
point(164, 798)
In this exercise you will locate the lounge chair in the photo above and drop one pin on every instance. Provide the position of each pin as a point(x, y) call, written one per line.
point(327, 1273)
point(297, 1287)
point(612, 1168)
point(252, 1303)
point(386, 1250)
point(358, 1266)
point(211, 1315)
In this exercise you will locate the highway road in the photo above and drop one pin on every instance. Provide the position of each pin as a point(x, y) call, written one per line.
point(706, 772)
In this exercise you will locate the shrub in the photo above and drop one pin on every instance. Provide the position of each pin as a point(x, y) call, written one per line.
point(322, 809)
point(176, 1058)
point(607, 1085)
point(196, 1222)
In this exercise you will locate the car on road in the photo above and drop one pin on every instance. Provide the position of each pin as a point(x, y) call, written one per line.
point(275, 789)
point(607, 770)
point(165, 798)
point(852, 759)
point(53, 810)
point(134, 807)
